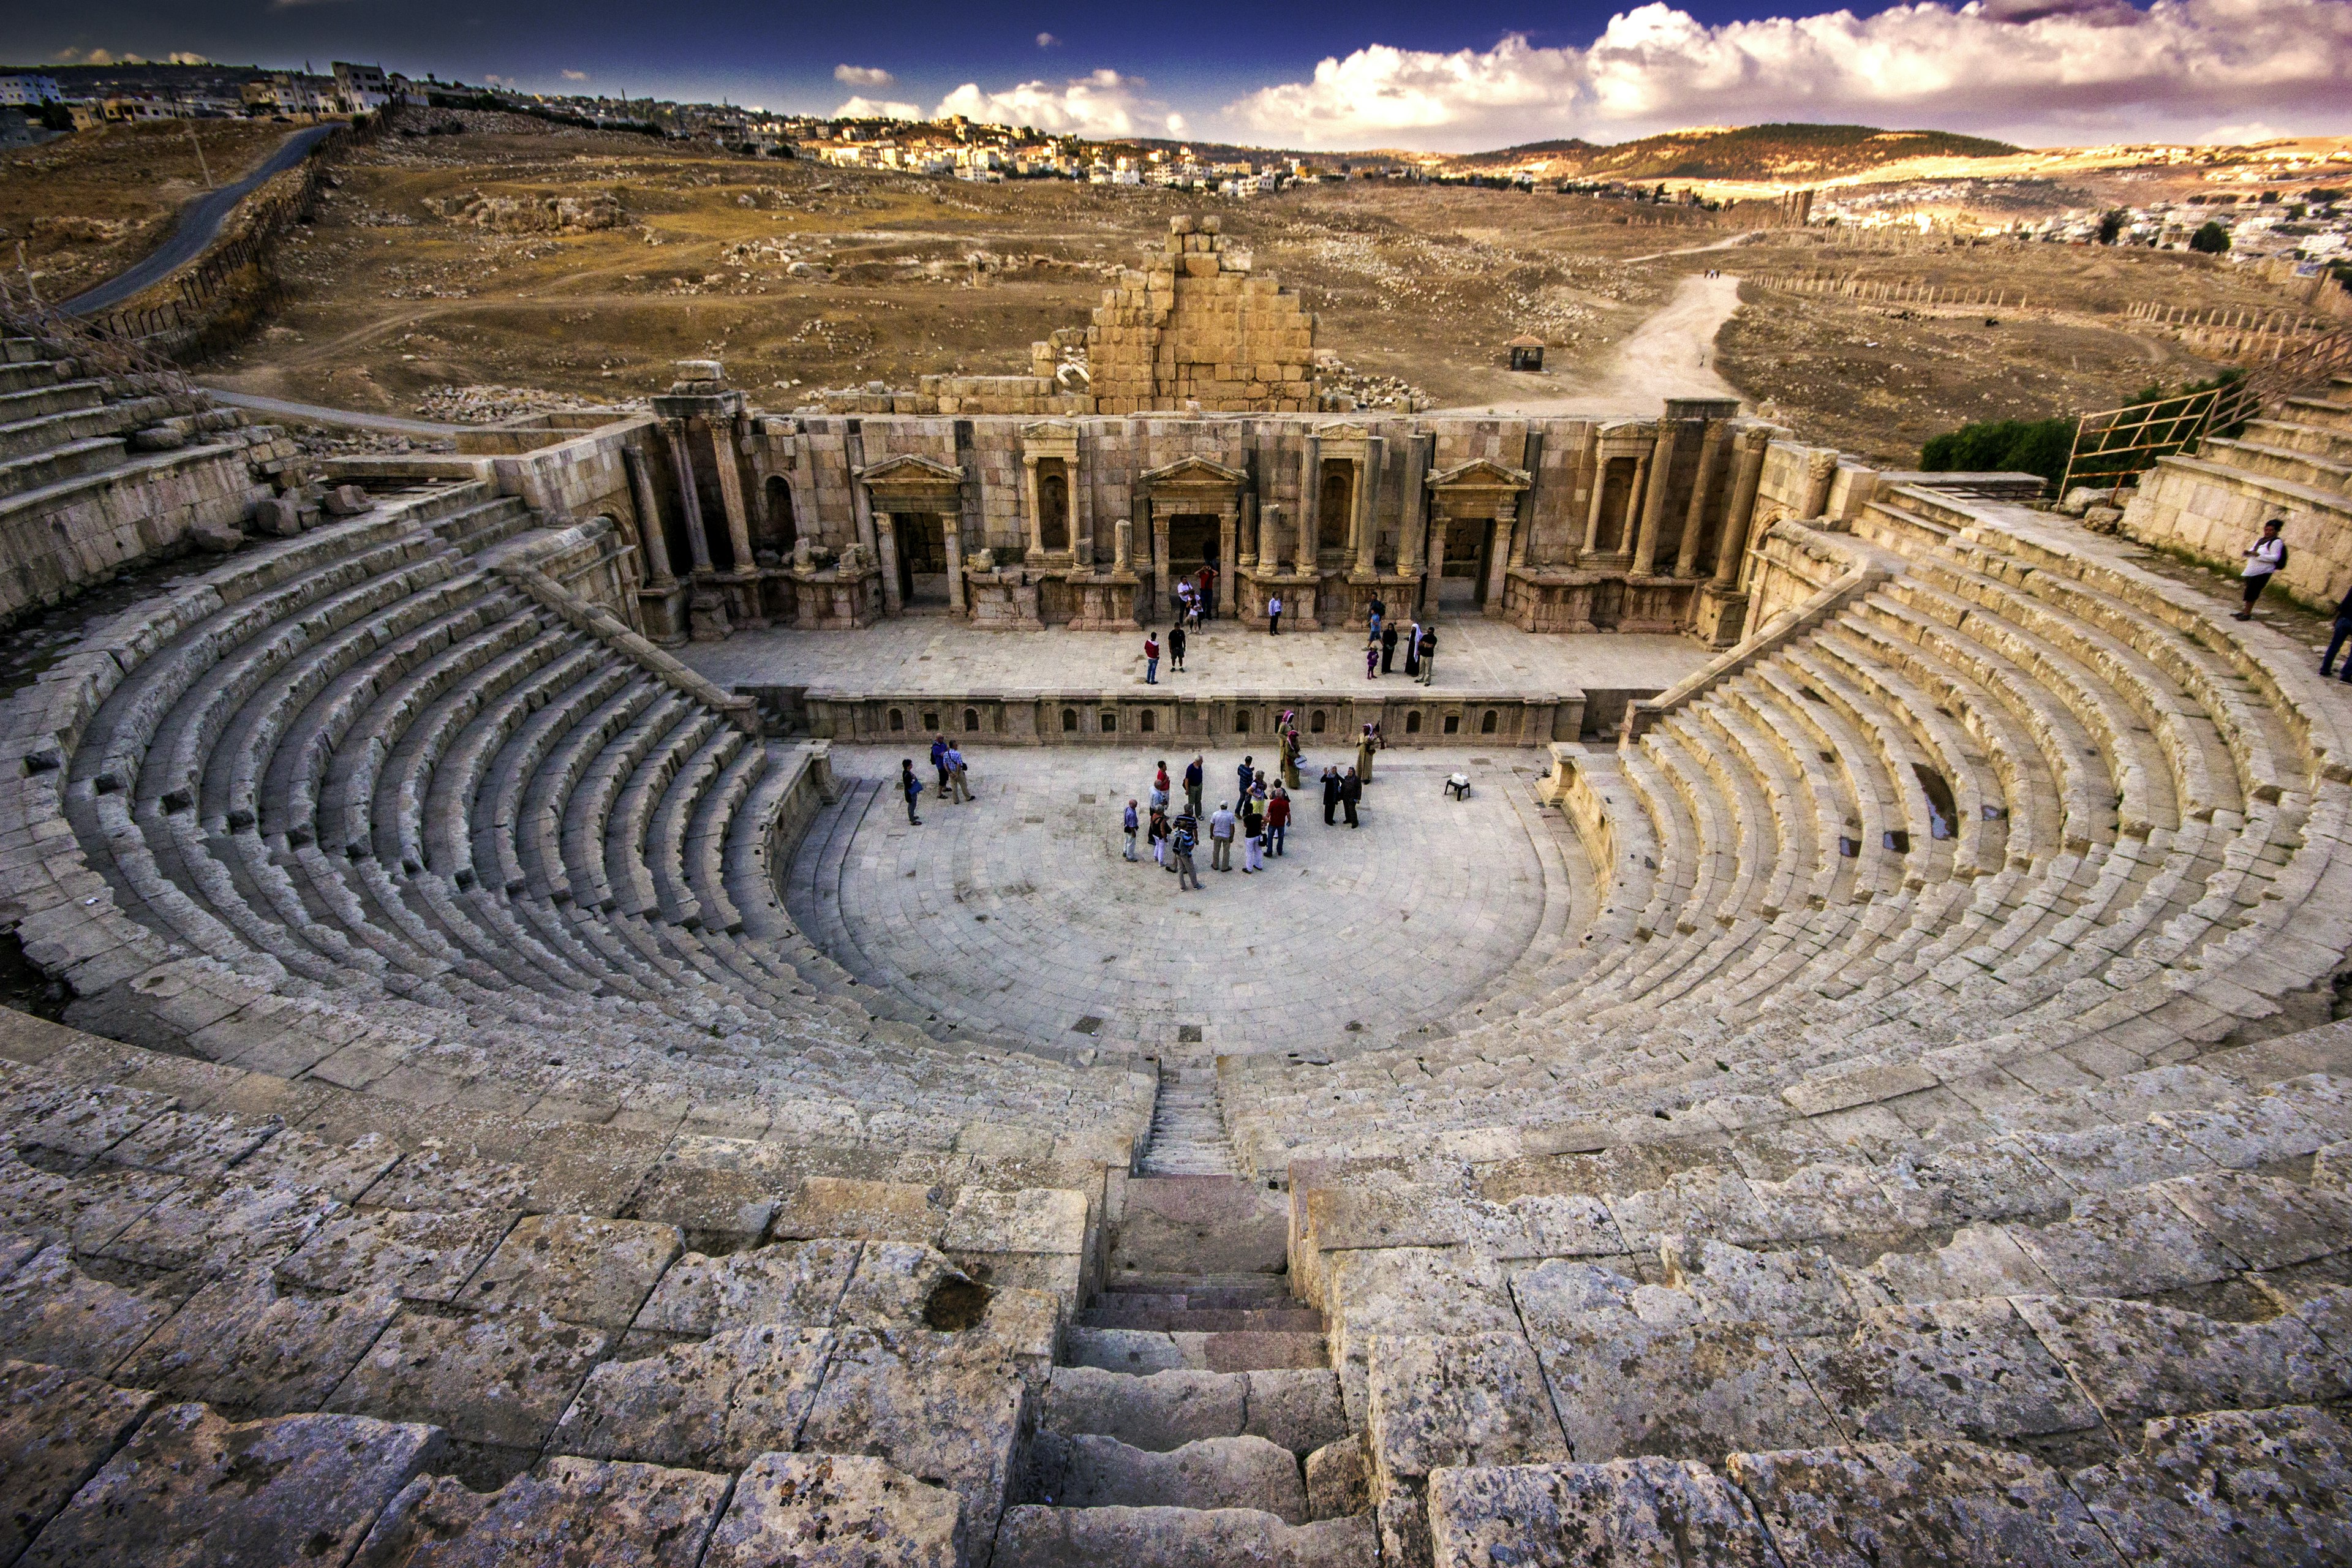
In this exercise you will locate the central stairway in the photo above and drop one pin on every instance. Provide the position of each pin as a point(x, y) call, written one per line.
point(1197, 1422)
point(1188, 1130)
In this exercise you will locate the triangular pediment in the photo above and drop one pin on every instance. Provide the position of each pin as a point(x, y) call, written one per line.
point(1191, 470)
point(910, 465)
point(1050, 430)
point(1482, 473)
point(1343, 432)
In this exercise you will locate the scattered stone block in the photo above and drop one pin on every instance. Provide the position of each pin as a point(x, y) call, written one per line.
point(56, 1430)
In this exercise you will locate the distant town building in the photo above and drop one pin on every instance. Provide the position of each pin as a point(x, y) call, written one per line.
point(364, 89)
point(29, 91)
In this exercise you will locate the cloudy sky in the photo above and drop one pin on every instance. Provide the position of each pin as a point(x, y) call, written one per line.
point(1477, 74)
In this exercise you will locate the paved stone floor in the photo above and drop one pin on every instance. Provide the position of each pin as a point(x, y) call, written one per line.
point(919, 655)
point(1016, 911)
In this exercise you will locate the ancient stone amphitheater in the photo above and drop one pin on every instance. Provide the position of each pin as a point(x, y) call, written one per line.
point(441, 1146)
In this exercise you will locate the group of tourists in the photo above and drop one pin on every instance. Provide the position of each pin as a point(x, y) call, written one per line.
point(1152, 653)
point(1172, 827)
point(1196, 597)
point(954, 781)
point(1381, 638)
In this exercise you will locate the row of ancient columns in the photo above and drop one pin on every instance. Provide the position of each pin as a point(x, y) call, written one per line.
point(1647, 528)
point(731, 497)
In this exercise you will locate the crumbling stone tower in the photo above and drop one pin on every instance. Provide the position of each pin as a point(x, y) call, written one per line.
point(1197, 327)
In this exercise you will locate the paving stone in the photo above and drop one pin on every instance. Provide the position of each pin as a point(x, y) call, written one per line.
point(718, 1404)
point(1927, 1504)
point(2267, 1222)
point(901, 1285)
point(945, 1408)
point(502, 1378)
point(1972, 1370)
point(1979, 1261)
point(212, 1229)
point(878, 1211)
point(581, 1269)
point(1462, 1399)
point(1791, 1293)
point(568, 1513)
point(1039, 1537)
point(191, 1488)
point(2227, 1487)
point(2124, 1244)
point(1640, 1514)
point(2138, 1360)
point(51, 1311)
point(425, 1255)
point(835, 1511)
point(247, 1345)
point(56, 1430)
point(796, 1284)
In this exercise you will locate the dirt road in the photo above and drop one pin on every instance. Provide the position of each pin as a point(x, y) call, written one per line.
point(1672, 355)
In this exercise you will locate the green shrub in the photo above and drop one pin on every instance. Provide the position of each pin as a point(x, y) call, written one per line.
point(2210, 241)
point(2003, 447)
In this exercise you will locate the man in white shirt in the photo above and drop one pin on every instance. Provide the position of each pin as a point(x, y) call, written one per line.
point(2266, 559)
point(1221, 839)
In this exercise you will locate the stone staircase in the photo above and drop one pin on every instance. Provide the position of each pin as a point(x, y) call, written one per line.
point(1194, 1418)
point(1188, 1126)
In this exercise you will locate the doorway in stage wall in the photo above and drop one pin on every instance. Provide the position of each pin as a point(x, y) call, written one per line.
point(1464, 582)
point(922, 558)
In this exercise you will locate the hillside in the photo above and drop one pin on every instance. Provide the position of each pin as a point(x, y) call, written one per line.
point(1741, 153)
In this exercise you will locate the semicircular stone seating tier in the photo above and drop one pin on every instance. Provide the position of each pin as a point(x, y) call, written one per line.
point(1934, 1150)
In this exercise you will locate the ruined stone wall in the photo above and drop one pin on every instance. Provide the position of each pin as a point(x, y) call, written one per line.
point(1196, 327)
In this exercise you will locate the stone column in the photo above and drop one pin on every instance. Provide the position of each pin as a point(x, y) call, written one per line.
point(1530, 459)
point(1710, 452)
point(661, 575)
point(861, 504)
point(697, 543)
point(1036, 510)
point(1498, 565)
point(1659, 468)
point(1364, 525)
point(1413, 509)
point(1310, 500)
point(1732, 549)
point(1082, 510)
point(952, 535)
point(886, 552)
point(1592, 511)
point(1162, 584)
point(1821, 472)
point(1123, 545)
point(1433, 583)
point(1247, 550)
point(730, 492)
point(1228, 526)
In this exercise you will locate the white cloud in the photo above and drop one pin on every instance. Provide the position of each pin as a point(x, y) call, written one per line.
point(1176, 123)
point(1047, 41)
point(863, 108)
point(2063, 69)
point(186, 58)
point(1102, 103)
point(97, 58)
point(2243, 134)
point(862, 76)
point(575, 75)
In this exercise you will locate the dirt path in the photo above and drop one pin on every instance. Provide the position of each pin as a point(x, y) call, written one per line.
point(1672, 355)
point(318, 413)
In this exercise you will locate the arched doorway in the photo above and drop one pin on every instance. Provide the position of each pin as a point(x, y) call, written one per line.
point(922, 558)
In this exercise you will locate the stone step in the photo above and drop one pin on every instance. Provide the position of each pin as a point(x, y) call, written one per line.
point(1299, 1408)
point(1203, 1320)
point(1257, 1286)
point(1032, 1536)
point(1117, 1299)
point(1202, 1224)
point(1090, 1470)
point(1149, 1351)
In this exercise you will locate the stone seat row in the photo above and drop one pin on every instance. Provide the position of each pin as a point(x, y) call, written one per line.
point(249, 770)
point(534, 1290)
point(2143, 876)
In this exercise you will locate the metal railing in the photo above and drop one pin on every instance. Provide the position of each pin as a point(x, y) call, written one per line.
point(2113, 446)
point(103, 346)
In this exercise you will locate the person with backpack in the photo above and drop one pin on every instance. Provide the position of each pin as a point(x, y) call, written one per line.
point(1157, 835)
point(2264, 560)
point(1192, 780)
point(958, 783)
point(1180, 847)
point(910, 786)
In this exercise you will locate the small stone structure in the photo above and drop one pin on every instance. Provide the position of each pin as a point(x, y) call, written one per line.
point(1527, 352)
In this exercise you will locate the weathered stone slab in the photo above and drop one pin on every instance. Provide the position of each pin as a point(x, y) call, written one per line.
point(1468, 1399)
point(581, 1269)
point(835, 1511)
point(2138, 1360)
point(1711, 1201)
point(1635, 1513)
point(51, 1311)
point(568, 1511)
point(191, 1488)
point(1037, 1537)
point(1034, 1219)
point(342, 1171)
point(56, 1430)
point(718, 1404)
point(451, 1178)
point(1633, 1372)
point(2269, 1222)
point(1966, 1181)
point(245, 1343)
point(1795, 1292)
point(1202, 1224)
point(1950, 1369)
point(1408, 1290)
point(1339, 1478)
point(1298, 1407)
point(1088, 1470)
point(423, 1255)
point(943, 1406)
point(1557, 1224)
point(488, 1377)
point(1923, 1505)
point(1979, 1261)
point(900, 1284)
point(877, 1211)
point(88, 1210)
point(2229, 1487)
point(791, 1284)
point(215, 1229)
point(2130, 1243)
